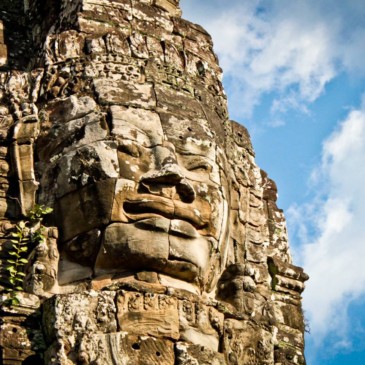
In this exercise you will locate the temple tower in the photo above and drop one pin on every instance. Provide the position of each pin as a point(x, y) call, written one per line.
point(165, 244)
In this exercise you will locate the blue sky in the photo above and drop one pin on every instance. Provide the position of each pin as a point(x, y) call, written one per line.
point(294, 72)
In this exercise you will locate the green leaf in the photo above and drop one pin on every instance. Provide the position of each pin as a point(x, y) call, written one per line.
point(10, 261)
point(20, 273)
point(12, 253)
point(19, 288)
point(15, 301)
point(24, 261)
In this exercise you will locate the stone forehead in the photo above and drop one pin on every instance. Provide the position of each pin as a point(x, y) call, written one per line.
point(181, 129)
point(141, 125)
point(151, 128)
point(187, 134)
point(191, 136)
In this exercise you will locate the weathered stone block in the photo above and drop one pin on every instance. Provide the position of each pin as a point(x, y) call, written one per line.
point(148, 314)
point(1, 32)
point(172, 6)
point(246, 343)
point(125, 93)
point(200, 325)
point(187, 354)
point(64, 110)
point(124, 349)
point(85, 209)
point(3, 55)
point(72, 316)
point(15, 344)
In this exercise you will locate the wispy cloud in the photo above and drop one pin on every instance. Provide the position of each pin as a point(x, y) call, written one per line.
point(334, 224)
point(282, 46)
point(288, 51)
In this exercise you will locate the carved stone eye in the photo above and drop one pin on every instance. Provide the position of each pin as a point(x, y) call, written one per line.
point(198, 164)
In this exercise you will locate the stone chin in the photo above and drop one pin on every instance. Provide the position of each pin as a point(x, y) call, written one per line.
point(169, 246)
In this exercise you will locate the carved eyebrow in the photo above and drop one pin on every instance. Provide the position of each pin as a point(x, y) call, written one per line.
point(207, 151)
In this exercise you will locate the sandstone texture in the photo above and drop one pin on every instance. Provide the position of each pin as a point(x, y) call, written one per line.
point(165, 244)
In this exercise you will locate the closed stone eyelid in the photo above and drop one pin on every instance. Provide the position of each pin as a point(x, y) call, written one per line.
point(199, 164)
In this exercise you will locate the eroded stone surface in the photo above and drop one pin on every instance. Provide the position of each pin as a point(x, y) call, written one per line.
point(167, 246)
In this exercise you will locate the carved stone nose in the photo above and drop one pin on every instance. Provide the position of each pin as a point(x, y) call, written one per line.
point(169, 174)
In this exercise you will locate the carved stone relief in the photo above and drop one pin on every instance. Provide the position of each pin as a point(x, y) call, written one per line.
point(165, 245)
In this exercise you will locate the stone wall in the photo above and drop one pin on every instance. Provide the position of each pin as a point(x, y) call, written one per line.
point(165, 245)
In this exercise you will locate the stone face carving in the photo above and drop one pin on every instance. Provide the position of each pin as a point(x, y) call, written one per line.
point(169, 246)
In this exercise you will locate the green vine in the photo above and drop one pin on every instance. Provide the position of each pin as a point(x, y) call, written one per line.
point(26, 235)
point(15, 265)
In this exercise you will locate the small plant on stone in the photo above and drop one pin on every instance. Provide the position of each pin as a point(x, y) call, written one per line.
point(15, 264)
point(26, 235)
point(307, 327)
point(38, 212)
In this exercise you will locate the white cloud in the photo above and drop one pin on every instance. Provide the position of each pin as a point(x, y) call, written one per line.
point(282, 46)
point(334, 259)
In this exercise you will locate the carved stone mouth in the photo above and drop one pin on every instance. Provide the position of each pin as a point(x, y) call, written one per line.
point(145, 208)
point(175, 227)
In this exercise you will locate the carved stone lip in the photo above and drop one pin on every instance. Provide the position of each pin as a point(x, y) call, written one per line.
point(185, 229)
point(144, 208)
point(175, 227)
